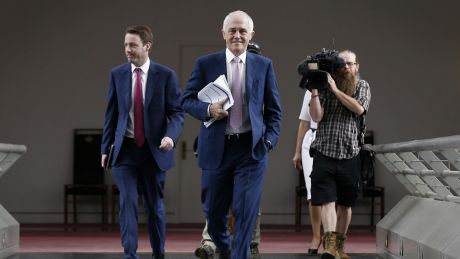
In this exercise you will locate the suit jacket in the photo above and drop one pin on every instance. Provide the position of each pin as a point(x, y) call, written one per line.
point(262, 100)
point(163, 115)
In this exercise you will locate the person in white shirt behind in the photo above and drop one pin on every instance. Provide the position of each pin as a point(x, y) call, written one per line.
point(303, 162)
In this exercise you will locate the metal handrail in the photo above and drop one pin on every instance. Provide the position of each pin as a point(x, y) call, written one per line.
point(417, 145)
point(426, 168)
point(11, 148)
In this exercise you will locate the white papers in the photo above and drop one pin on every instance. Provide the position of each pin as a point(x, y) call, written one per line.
point(214, 92)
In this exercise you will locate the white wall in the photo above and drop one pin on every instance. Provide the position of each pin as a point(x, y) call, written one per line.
point(57, 55)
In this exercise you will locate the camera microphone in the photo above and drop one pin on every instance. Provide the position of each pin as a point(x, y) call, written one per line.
point(302, 67)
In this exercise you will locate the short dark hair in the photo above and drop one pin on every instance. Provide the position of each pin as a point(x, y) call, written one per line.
point(144, 32)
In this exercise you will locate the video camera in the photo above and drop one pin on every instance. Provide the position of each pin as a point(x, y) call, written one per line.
point(254, 48)
point(313, 69)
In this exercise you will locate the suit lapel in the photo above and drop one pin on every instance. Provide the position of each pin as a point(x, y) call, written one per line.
point(221, 65)
point(149, 85)
point(250, 70)
point(127, 85)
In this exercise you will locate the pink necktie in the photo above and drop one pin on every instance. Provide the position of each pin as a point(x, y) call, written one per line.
point(236, 112)
point(139, 138)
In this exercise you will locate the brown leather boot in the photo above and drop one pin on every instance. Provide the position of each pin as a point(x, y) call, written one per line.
point(330, 246)
point(340, 239)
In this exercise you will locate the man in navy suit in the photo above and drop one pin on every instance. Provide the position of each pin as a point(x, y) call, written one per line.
point(143, 121)
point(233, 150)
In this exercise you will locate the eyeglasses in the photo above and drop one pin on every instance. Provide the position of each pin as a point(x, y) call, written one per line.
point(350, 64)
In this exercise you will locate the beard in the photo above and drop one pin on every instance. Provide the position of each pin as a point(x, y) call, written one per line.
point(346, 82)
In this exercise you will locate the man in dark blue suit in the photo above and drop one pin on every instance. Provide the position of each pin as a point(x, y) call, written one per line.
point(233, 150)
point(143, 121)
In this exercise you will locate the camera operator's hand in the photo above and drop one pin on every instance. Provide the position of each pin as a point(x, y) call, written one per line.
point(216, 110)
point(332, 86)
point(349, 102)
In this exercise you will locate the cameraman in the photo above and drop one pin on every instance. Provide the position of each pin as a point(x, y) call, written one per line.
point(336, 168)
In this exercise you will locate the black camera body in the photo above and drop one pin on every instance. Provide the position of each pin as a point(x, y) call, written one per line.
point(254, 48)
point(313, 69)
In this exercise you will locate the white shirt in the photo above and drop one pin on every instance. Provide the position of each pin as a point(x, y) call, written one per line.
point(145, 69)
point(307, 160)
point(305, 113)
point(229, 57)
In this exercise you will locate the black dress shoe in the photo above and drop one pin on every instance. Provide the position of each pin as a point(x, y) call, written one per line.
point(312, 251)
point(225, 255)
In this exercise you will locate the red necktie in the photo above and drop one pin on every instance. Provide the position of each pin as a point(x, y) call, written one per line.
point(139, 137)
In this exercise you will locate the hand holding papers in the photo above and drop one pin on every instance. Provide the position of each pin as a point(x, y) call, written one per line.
point(215, 92)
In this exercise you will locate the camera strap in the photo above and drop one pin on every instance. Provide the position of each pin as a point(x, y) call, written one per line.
point(361, 129)
point(366, 156)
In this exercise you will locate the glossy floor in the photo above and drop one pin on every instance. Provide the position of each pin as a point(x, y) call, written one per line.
point(89, 242)
point(168, 256)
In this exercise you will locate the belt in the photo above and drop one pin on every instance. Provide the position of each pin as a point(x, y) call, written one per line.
point(237, 136)
point(128, 139)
